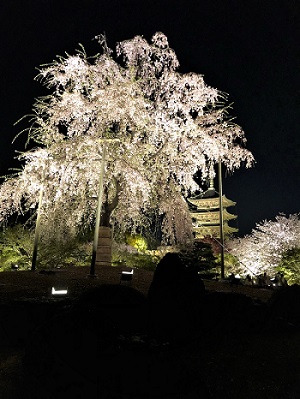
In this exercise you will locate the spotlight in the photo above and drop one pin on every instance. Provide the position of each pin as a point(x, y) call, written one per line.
point(59, 291)
point(126, 276)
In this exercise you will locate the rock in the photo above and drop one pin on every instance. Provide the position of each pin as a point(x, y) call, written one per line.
point(174, 298)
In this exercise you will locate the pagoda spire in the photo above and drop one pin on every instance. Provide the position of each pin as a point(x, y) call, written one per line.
point(211, 186)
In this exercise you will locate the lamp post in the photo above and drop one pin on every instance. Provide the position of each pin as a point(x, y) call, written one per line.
point(98, 213)
point(37, 226)
point(221, 218)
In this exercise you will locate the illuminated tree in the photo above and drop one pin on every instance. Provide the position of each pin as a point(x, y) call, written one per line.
point(157, 126)
point(263, 250)
point(290, 265)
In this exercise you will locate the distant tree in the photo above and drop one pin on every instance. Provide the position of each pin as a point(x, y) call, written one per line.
point(157, 126)
point(268, 245)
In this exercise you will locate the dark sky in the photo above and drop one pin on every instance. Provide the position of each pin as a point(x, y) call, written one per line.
point(249, 49)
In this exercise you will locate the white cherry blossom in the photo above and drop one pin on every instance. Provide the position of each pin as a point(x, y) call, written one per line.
point(160, 128)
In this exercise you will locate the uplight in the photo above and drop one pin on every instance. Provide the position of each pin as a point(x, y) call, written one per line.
point(56, 292)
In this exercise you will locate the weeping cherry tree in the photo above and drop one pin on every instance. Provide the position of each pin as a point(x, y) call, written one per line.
point(158, 128)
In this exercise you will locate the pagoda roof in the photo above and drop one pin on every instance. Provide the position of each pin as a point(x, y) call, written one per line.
point(213, 231)
point(211, 216)
point(206, 203)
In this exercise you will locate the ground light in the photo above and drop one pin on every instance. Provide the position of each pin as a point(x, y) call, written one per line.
point(126, 276)
point(59, 291)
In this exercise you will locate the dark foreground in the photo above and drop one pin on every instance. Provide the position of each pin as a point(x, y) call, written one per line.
point(104, 340)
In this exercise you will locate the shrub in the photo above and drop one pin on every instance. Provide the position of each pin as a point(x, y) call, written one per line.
point(16, 246)
point(128, 256)
point(290, 266)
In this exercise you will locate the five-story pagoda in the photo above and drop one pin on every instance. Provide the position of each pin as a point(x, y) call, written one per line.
point(206, 215)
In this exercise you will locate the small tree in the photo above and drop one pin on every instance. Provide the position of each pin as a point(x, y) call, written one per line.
point(158, 127)
point(199, 256)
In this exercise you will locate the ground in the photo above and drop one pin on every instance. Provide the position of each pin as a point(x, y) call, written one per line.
point(229, 364)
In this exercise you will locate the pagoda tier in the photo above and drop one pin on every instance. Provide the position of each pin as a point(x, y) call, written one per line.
point(210, 203)
point(212, 231)
point(212, 217)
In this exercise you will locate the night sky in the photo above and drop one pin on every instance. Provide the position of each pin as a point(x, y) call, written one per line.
point(249, 49)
